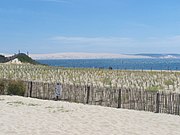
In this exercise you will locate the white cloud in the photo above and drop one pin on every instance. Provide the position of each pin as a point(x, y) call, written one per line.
point(118, 44)
point(92, 40)
point(172, 40)
point(175, 39)
point(93, 44)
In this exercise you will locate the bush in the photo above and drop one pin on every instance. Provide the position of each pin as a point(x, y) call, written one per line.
point(169, 82)
point(2, 87)
point(154, 88)
point(16, 88)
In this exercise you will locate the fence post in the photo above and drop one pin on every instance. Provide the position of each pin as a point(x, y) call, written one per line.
point(30, 89)
point(119, 99)
point(88, 93)
point(157, 102)
point(179, 106)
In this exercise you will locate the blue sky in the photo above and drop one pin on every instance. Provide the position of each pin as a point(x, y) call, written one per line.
point(97, 26)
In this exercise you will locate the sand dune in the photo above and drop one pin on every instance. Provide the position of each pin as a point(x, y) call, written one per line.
point(27, 116)
point(73, 55)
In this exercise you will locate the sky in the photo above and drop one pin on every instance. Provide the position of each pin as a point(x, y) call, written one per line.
point(91, 26)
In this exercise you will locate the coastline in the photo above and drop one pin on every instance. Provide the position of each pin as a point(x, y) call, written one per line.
point(81, 55)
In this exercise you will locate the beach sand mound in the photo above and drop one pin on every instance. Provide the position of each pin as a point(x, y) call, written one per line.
point(14, 61)
point(27, 116)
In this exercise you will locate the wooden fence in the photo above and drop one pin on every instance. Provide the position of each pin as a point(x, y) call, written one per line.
point(159, 102)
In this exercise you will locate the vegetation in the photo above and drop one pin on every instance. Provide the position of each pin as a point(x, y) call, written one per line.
point(2, 58)
point(169, 82)
point(154, 88)
point(21, 57)
point(16, 88)
point(2, 87)
point(26, 59)
point(146, 80)
point(16, 103)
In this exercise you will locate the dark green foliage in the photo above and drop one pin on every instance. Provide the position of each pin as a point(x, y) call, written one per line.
point(2, 87)
point(154, 88)
point(2, 58)
point(21, 57)
point(26, 59)
point(16, 88)
point(169, 82)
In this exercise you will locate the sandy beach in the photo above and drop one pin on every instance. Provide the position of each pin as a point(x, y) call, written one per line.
point(27, 116)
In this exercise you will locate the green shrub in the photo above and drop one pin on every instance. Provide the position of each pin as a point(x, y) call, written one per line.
point(154, 88)
point(16, 88)
point(169, 82)
point(26, 59)
point(2, 87)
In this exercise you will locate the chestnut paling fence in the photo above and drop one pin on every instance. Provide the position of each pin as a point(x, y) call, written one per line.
point(159, 102)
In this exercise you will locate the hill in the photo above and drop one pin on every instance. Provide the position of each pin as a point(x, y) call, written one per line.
point(21, 57)
point(2, 58)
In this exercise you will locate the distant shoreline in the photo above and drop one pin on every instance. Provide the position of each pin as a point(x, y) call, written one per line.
point(82, 55)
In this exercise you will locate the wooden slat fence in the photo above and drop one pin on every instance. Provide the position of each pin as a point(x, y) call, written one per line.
point(159, 102)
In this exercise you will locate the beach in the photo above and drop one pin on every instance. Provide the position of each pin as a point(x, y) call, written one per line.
point(22, 115)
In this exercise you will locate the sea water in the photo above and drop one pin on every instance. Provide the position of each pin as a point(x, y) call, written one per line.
point(125, 64)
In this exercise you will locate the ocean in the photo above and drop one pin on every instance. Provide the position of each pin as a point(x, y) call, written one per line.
point(124, 64)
